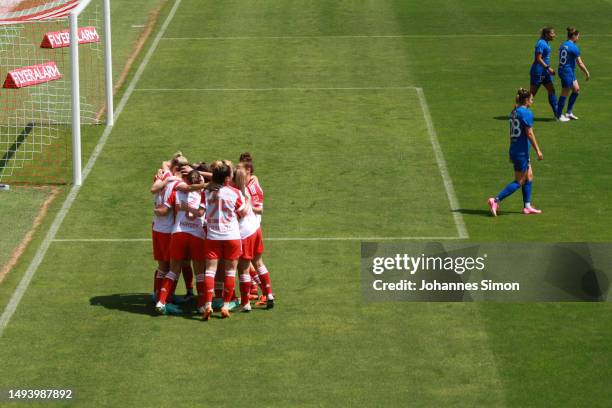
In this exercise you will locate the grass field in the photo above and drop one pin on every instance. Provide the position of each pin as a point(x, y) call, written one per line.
point(339, 103)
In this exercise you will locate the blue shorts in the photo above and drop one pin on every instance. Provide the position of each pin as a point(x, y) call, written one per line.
point(567, 79)
point(520, 163)
point(538, 79)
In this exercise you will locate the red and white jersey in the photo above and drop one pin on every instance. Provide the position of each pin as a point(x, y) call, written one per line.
point(257, 195)
point(222, 207)
point(249, 224)
point(163, 224)
point(184, 221)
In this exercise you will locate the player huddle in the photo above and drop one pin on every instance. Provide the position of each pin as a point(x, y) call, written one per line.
point(522, 137)
point(207, 222)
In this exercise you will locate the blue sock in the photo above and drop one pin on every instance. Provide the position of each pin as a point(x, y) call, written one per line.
point(552, 100)
point(572, 100)
point(527, 192)
point(509, 189)
point(560, 106)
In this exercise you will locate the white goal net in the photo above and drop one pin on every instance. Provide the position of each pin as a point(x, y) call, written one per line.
point(36, 109)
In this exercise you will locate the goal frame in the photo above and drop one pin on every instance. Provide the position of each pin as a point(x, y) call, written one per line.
point(77, 175)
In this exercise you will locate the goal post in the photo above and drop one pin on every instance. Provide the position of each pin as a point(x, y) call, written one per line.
point(77, 170)
point(55, 79)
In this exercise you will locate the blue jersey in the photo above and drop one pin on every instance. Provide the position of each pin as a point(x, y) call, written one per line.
point(521, 120)
point(568, 52)
point(542, 48)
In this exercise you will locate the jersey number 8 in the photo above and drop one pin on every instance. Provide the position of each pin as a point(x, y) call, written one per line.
point(563, 57)
point(515, 129)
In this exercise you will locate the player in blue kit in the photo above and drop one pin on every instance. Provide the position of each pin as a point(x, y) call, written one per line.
point(541, 72)
point(521, 140)
point(569, 56)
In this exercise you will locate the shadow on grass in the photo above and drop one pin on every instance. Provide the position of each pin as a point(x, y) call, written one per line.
point(141, 303)
point(484, 213)
point(534, 119)
point(138, 303)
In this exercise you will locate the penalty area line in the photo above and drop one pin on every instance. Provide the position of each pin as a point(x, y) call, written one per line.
point(366, 88)
point(94, 240)
point(17, 295)
point(448, 182)
point(357, 36)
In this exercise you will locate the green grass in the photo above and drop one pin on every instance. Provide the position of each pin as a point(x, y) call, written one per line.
point(333, 163)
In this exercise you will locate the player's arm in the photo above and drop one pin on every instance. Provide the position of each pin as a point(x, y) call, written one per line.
point(583, 68)
point(186, 188)
point(161, 211)
point(541, 61)
point(242, 205)
point(534, 143)
point(258, 210)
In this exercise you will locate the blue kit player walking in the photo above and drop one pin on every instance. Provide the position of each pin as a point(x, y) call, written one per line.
point(522, 139)
point(569, 56)
point(541, 72)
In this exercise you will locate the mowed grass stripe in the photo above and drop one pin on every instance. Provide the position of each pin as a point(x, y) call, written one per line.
point(322, 344)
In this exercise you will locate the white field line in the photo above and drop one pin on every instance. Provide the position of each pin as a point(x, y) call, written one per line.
point(390, 36)
point(448, 182)
point(367, 88)
point(59, 218)
point(97, 240)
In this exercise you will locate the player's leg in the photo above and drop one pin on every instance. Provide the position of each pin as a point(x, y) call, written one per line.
point(526, 189)
point(266, 284)
point(521, 167)
point(161, 254)
point(262, 272)
point(212, 255)
point(255, 283)
point(245, 283)
point(572, 100)
point(552, 98)
point(566, 84)
point(232, 250)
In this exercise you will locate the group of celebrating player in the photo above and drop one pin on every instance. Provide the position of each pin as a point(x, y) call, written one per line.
point(207, 222)
point(521, 118)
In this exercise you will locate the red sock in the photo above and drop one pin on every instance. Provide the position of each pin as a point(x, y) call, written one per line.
point(229, 285)
point(254, 280)
point(201, 289)
point(245, 288)
point(209, 286)
point(188, 277)
point(166, 287)
point(264, 276)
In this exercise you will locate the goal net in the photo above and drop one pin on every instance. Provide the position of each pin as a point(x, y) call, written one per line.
point(37, 87)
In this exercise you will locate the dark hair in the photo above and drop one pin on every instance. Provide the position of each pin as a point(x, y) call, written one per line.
point(248, 165)
point(522, 95)
point(193, 177)
point(545, 32)
point(220, 171)
point(246, 156)
point(572, 32)
point(202, 166)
